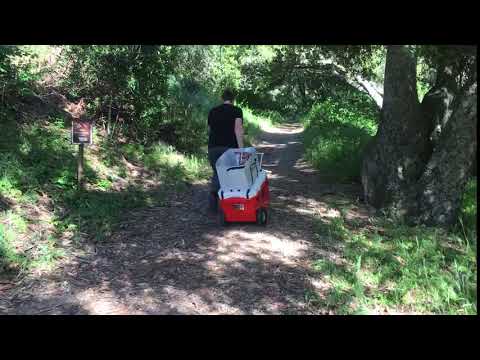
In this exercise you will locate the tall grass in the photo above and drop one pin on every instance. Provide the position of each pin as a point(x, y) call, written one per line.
point(394, 268)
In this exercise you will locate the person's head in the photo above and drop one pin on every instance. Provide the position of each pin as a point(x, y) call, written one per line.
point(228, 95)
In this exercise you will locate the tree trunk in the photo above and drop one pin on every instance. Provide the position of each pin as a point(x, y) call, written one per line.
point(399, 151)
point(441, 185)
point(422, 155)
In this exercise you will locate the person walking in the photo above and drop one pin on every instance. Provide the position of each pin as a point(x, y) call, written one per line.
point(225, 131)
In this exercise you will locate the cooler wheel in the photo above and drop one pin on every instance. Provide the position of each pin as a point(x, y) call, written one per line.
point(262, 216)
point(221, 218)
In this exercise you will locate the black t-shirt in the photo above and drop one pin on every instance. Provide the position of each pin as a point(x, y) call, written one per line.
point(221, 120)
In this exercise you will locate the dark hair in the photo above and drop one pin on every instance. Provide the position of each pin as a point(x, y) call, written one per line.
point(228, 95)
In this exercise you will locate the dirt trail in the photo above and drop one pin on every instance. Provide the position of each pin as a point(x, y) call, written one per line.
point(176, 259)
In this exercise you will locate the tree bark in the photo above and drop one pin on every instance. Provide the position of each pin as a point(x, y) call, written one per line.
point(400, 149)
point(422, 155)
point(446, 174)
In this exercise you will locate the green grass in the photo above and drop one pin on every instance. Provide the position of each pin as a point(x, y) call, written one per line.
point(36, 159)
point(405, 269)
point(336, 132)
point(8, 255)
point(170, 166)
point(174, 166)
point(468, 216)
point(41, 256)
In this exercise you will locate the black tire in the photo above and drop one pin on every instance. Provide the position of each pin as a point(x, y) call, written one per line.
point(262, 216)
point(213, 203)
point(221, 218)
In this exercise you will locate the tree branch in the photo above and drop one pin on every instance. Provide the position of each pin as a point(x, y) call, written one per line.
point(358, 82)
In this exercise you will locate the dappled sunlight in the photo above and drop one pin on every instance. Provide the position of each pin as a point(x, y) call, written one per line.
point(174, 259)
point(240, 245)
point(309, 206)
point(196, 303)
point(101, 302)
point(285, 129)
point(304, 167)
point(267, 146)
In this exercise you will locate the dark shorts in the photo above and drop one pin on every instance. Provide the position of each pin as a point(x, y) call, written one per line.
point(213, 154)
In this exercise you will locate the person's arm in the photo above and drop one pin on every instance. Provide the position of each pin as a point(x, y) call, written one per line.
point(239, 131)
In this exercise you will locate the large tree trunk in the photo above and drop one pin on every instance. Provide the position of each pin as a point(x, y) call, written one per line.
point(441, 185)
point(422, 155)
point(397, 155)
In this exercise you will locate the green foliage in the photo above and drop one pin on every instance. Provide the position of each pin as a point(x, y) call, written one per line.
point(422, 270)
point(365, 60)
point(186, 119)
point(290, 79)
point(154, 92)
point(36, 157)
point(461, 61)
point(17, 76)
point(337, 131)
point(131, 80)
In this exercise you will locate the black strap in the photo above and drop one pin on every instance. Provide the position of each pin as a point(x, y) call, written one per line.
point(235, 168)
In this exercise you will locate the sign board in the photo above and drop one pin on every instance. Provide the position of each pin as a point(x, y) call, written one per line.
point(82, 131)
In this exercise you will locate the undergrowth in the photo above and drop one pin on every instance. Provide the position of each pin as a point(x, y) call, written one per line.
point(394, 268)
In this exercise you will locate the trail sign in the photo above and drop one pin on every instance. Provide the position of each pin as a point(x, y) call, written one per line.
point(82, 131)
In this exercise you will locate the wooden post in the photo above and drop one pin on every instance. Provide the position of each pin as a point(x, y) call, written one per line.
point(80, 167)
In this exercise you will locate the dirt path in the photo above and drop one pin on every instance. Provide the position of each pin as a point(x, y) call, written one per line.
point(175, 259)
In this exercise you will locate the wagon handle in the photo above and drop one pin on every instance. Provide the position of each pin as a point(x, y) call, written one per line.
point(261, 158)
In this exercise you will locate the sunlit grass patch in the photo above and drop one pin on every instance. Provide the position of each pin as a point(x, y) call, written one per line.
point(406, 269)
point(13, 258)
point(173, 166)
point(254, 124)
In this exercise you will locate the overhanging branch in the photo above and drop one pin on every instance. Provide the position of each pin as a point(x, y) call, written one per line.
point(357, 82)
